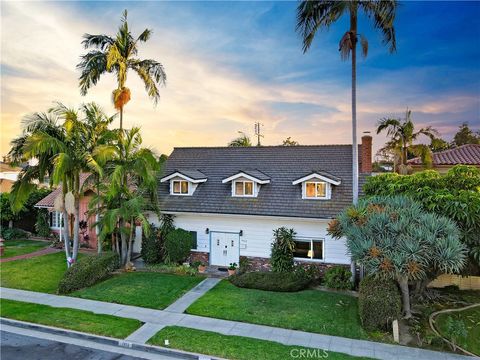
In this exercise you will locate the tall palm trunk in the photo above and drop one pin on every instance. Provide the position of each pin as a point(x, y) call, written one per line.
point(130, 240)
point(121, 118)
point(99, 241)
point(76, 228)
point(403, 282)
point(66, 235)
point(124, 242)
point(353, 32)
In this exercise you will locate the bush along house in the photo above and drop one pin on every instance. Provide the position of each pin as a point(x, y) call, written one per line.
point(232, 198)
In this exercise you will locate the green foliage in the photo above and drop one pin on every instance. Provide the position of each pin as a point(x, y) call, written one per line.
point(241, 141)
point(281, 258)
point(271, 281)
point(178, 244)
point(379, 303)
point(244, 265)
point(465, 135)
point(338, 277)
point(152, 246)
point(395, 236)
point(88, 271)
point(455, 330)
point(191, 270)
point(42, 226)
point(13, 233)
point(455, 195)
point(6, 213)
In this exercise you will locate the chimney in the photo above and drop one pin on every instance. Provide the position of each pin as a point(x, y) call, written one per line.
point(366, 154)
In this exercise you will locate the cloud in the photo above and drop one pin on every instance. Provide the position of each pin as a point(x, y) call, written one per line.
point(218, 81)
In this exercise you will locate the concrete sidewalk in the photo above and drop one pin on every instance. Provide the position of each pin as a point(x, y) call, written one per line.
point(161, 318)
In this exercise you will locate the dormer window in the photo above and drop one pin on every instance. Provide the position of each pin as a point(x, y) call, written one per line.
point(316, 189)
point(244, 188)
point(180, 187)
point(184, 183)
point(317, 186)
point(247, 183)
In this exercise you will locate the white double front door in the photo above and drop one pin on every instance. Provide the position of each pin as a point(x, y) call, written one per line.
point(224, 248)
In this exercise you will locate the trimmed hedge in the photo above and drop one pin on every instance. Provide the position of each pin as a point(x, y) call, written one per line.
point(379, 303)
point(88, 271)
point(338, 277)
point(271, 281)
point(152, 248)
point(178, 244)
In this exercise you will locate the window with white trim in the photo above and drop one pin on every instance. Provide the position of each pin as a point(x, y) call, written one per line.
point(243, 188)
point(316, 190)
point(55, 219)
point(180, 187)
point(306, 248)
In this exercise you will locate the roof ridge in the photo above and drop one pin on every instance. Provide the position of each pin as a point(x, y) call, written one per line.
point(259, 147)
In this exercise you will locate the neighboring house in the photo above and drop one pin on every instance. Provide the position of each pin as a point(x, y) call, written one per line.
point(89, 236)
point(8, 175)
point(468, 154)
point(233, 198)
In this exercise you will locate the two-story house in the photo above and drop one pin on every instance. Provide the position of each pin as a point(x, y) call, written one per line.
point(233, 198)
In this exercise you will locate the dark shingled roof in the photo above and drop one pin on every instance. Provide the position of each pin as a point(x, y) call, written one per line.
point(252, 172)
point(465, 155)
point(192, 174)
point(283, 164)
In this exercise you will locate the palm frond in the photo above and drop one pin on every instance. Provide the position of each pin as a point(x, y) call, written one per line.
point(93, 65)
point(364, 45)
point(101, 42)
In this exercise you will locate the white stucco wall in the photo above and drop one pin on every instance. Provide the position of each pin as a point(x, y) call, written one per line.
point(258, 233)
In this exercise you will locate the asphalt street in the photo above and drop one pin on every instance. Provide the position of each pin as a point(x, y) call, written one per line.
point(21, 347)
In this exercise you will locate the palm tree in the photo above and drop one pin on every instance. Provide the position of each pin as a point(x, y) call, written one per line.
point(402, 135)
point(118, 55)
point(315, 15)
point(65, 147)
point(241, 141)
point(130, 176)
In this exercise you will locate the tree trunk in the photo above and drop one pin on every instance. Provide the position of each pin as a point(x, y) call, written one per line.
point(76, 229)
point(97, 227)
point(121, 118)
point(124, 243)
point(10, 224)
point(66, 236)
point(129, 253)
point(353, 30)
point(403, 283)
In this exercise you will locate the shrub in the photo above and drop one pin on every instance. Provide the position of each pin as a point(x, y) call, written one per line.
point(178, 244)
point(379, 303)
point(281, 258)
point(152, 249)
point(88, 271)
point(338, 277)
point(271, 281)
point(14, 233)
point(173, 269)
point(244, 265)
point(42, 227)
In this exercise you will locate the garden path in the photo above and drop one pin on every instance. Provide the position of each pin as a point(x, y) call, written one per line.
point(32, 254)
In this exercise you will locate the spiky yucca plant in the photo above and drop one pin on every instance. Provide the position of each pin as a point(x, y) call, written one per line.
point(395, 238)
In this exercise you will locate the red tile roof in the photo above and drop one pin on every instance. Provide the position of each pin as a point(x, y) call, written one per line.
point(49, 200)
point(465, 155)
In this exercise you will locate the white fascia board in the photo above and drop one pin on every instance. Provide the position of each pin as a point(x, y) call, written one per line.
point(180, 175)
point(241, 174)
point(316, 176)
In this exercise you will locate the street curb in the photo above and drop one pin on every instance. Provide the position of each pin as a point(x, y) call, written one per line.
point(106, 340)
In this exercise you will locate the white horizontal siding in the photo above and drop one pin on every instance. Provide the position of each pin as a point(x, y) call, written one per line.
point(258, 233)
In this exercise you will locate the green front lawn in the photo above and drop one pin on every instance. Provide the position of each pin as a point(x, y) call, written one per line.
point(471, 319)
point(79, 320)
point(309, 310)
point(234, 347)
point(146, 289)
point(21, 247)
point(41, 273)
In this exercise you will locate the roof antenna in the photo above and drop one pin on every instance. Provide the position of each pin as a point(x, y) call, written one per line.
point(258, 132)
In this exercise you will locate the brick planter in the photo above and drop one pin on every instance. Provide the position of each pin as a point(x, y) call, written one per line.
point(199, 256)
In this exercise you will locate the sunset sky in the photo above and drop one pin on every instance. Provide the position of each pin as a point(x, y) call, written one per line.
point(231, 64)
